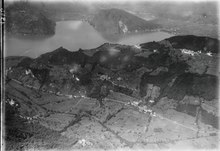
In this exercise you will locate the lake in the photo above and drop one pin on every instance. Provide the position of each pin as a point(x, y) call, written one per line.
point(72, 35)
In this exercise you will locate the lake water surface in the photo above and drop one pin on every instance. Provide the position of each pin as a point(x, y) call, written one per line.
point(72, 35)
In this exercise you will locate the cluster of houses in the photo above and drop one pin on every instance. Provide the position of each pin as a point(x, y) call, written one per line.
point(192, 53)
point(144, 108)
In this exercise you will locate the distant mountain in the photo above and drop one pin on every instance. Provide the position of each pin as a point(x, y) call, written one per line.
point(64, 10)
point(116, 21)
point(23, 18)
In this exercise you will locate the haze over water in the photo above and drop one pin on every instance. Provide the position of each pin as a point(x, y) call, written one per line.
point(71, 35)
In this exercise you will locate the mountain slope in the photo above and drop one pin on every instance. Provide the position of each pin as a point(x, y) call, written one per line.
point(116, 21)
point(163, 62)
point(23, 18)
point(60, 89)
point(195, 43)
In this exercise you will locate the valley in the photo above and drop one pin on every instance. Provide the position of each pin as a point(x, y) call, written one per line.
point(110, 76)
point(115, 97)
